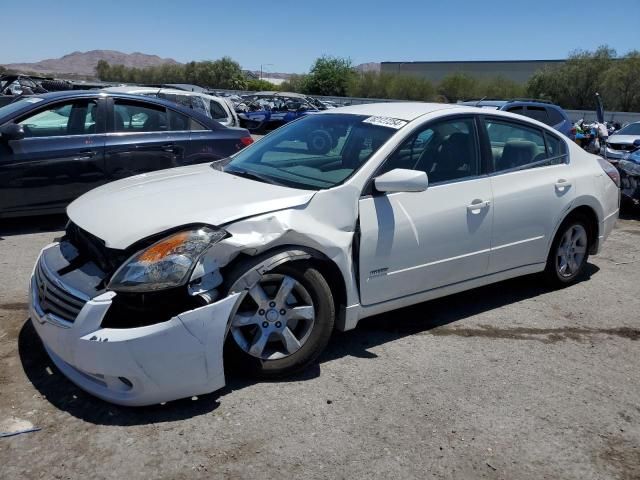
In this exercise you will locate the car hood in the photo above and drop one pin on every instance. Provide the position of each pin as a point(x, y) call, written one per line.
point(623, 139)
point(125, 211)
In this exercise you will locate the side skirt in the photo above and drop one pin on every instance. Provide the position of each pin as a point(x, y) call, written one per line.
point(355, 313)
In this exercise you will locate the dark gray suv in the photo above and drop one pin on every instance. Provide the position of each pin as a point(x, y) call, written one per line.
point(541, 110)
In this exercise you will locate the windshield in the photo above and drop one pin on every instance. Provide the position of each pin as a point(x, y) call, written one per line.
point(632, 129)
point(13, 107)
point(318, 151)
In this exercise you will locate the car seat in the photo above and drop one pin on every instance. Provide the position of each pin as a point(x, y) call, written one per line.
point(516, 153)
point(450, 160)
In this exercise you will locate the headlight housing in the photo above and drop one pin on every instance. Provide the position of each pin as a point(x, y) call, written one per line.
point(167, 263)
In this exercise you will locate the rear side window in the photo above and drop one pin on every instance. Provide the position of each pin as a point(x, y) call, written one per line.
point(194, 125)
point(555, 117)
point(177, 121)
point(518, 110)
point(217, 111)
point(131, 116)
point(537, 113)
point(556, 150)
point(514, 146)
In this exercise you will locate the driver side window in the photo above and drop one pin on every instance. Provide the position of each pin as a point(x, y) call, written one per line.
point(445, 151)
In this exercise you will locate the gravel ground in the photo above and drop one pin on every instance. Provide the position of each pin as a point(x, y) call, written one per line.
point(507, 381)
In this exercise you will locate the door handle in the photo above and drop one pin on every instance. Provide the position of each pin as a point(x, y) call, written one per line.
point(169, 147)
point(85, 155)
point(478, 205)
point(562, 183)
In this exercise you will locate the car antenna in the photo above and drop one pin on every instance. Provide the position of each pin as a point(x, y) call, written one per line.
point(478, 102)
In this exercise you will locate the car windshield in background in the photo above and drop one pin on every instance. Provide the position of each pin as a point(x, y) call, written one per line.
point(18, 105)
point(315, 152)
point(632, 129)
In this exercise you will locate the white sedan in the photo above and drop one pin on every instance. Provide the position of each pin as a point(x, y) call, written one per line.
point(330, 219)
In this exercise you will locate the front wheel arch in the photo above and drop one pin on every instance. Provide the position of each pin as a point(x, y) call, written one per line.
point(277, 256)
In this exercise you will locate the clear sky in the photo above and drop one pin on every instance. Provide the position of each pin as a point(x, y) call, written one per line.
point(291, 34)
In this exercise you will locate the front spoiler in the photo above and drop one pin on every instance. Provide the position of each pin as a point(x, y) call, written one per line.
point(147, 365)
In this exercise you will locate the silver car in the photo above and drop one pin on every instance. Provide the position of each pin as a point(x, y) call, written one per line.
point(625, 140)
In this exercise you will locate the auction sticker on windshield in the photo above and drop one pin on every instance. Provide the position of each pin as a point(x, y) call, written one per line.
point(394, 123)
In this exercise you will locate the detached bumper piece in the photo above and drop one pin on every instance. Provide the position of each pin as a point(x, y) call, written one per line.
point(145, 365)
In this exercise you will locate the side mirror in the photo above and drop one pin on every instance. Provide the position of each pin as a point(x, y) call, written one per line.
point(12, 131)
point(402, 180)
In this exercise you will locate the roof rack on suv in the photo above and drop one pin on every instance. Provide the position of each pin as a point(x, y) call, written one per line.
point(538, 100)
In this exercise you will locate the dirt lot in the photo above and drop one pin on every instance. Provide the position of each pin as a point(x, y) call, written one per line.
point(509, 381)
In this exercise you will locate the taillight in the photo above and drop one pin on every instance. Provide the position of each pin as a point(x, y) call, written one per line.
point(246, 141)
point(610, 170)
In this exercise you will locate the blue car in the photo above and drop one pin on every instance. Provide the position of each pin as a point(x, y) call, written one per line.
point(541, 110)
point(269, 110)
point(56, 146)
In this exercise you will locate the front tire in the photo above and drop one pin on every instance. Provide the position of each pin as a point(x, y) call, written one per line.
point(283, 322)
point(569, 253)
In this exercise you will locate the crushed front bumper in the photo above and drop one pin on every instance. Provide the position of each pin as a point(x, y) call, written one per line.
point(146, 365)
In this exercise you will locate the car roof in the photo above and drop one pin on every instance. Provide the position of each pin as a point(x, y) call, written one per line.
point(73, 94)
point(136, 90)
point(402, 110)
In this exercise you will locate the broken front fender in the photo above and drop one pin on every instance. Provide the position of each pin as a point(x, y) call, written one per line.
point(147, 365)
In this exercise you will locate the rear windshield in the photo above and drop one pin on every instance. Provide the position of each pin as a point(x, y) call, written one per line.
point(318, 151)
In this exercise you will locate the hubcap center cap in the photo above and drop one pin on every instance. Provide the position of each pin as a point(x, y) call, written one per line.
point(272, 315)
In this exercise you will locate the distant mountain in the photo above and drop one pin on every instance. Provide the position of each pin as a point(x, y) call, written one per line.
point(84, 63)
point(368, 67)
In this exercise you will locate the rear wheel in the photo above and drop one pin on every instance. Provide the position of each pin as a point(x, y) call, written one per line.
point(283, 322)
point(569, 252)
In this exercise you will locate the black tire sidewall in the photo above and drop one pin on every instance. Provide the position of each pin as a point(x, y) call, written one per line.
point(551, 271)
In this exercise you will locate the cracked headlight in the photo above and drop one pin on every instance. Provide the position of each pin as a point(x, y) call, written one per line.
point(167, 263)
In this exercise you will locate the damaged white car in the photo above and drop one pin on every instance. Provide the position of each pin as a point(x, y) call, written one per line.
point(330, 219)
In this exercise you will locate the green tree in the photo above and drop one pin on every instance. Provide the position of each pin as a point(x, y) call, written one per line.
point(622, 83)
point(256, 85)
point(575, 83)
point(458, 86)
point(295, 83)
point(501, 88)
point(329, 76)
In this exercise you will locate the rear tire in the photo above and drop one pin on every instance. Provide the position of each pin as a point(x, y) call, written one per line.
point(569, 252)
point(273, 334)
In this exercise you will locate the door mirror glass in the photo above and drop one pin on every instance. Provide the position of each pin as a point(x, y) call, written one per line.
point(12, 131)
point(402, 180)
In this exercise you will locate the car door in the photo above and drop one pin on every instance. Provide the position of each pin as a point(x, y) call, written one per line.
point(532, 187)
point(139, 139)
point(60, 157)
point(417, 241)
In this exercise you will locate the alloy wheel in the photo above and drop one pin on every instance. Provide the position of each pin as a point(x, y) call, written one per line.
point(571, 251)
point(274, 319)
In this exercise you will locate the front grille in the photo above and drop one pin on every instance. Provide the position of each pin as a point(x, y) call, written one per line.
point(54, 299)
point(625, 147)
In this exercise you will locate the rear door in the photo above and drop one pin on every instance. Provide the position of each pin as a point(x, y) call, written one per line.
point(60, 158)
point(139, 139)
point(533, 187)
